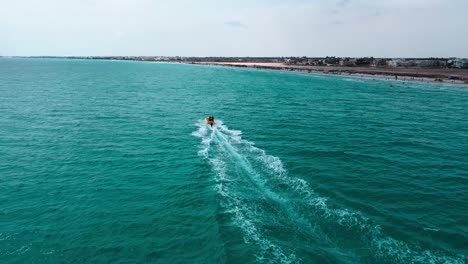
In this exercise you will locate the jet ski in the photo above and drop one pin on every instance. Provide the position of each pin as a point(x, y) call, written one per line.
point(210, 120)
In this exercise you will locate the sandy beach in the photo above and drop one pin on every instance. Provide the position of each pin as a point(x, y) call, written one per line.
point(457, 76)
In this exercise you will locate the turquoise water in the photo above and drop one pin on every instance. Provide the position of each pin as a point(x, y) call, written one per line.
point(110, 161)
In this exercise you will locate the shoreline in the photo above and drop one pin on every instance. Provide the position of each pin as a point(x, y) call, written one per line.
point(410, 75)
point(424, 75)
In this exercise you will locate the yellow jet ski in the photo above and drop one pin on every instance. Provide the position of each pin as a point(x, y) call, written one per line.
point(210, 120)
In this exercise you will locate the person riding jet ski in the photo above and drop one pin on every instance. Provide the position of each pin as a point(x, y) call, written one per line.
point(210, 120)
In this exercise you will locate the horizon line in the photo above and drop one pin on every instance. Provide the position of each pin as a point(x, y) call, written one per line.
point(179, 56)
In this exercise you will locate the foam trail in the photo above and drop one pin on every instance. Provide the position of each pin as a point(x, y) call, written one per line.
point(244, 163)
point(302, 205)
point(261, 183)
point(242, 215)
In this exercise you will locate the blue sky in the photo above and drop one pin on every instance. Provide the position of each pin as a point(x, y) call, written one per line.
point(379, 28)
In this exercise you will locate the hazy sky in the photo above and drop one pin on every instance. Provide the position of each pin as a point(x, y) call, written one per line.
point(379, 28)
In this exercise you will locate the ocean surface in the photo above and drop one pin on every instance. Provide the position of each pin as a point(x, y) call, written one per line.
point(111, 162)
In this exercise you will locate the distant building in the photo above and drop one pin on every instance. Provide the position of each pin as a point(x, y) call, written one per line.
point(393, 62)
point(379, 62)
point(430, 63)
point(461, 63)
point(347, 62)
point(332, 61)
point(401, 63)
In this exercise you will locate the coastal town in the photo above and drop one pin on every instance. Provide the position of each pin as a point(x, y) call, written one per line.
point(451, 70)
point(453, 62)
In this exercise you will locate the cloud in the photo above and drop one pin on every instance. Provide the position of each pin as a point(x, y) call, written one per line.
point(119, 34)
point(235, 24)
point(342, 3)
point(337, 22)
point(339, 6)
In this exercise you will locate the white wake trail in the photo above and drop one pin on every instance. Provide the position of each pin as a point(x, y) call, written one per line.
point(213, 149)
point(226, 149)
